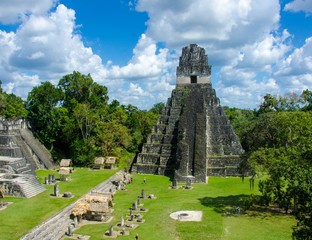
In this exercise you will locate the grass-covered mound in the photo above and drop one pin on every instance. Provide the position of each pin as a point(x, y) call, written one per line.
point(24, 214)
point(218, 200)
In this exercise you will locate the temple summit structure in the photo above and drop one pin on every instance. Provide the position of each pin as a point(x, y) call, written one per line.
point(192, 138)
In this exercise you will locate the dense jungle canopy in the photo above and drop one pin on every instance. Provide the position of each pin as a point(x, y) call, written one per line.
point(76, 120)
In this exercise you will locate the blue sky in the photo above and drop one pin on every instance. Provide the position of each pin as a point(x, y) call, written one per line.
point(132, 46)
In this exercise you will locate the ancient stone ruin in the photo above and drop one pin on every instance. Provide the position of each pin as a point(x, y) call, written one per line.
point(104, 162)
point(65, 169)
point(96, 206)
point(20, 155)
point(193, 138)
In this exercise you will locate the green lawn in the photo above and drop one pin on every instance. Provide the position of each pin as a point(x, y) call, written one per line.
point(24, 214)
point(212, 199)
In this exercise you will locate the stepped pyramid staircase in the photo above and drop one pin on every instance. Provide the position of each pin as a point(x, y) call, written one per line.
point(193, 137)
point(20, 185)
point(20, 155)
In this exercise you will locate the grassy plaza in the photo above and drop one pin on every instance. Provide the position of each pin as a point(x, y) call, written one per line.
point(218, 200)
point(26, 213)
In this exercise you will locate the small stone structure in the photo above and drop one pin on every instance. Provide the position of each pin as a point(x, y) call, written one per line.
point(99, 163)
point(66, 163)
point(65, 169)
point(96, 206)
point(110, 162)
point(64, 174)
point(102, 162)
point(193, 138)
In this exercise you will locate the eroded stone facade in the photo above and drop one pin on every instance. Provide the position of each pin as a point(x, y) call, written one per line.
point(193, 138)
point(20, 155)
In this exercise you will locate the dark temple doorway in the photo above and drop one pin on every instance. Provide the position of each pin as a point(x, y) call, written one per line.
point(193, 79)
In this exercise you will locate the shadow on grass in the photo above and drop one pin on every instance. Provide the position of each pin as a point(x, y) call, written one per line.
point(236, 204)
point(219, 204)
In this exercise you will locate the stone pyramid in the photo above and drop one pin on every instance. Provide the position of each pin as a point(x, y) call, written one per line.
point(193, 138)
point(20, 155)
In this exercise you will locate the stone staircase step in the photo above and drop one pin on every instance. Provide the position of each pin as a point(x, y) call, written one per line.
point(31, 187)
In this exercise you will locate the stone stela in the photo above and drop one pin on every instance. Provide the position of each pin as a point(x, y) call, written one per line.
point(56, 190)
point(192, 138)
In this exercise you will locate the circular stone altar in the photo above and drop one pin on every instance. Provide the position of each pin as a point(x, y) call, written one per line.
point(195, 216)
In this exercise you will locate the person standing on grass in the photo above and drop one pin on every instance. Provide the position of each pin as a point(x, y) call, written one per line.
point(137, 237)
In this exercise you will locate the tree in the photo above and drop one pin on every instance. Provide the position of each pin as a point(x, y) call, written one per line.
point(75, 119)
point(13, 106)
point(86, 119)
point(141, 123)
point(86, 102)
point(42, 103)
point(307, 100)
point(283, 152)
point(291, 102)
point(79, 88)
point(241, 120)
point(157, 108)
point(112, 136)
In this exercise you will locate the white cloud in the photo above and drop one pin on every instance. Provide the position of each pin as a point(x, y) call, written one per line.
point(12, 11)
point(242, 38)
point(295, 71)
point(147, 78)
point(245, 79)
point(299, 5)
point(248, 96)
point(146, 61)
point(214, 23)
point(46, 47)
point(265, 52)
point(299, 62)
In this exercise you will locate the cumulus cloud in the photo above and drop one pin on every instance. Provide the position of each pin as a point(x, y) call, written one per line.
point(147, 61)
point(213, 23)
point(12, 11)
point(295, 71)
point(250, 54)
point(266, 51)
point(45, 47)
point(299, 6)
point(242, 38)
point(148, 77)
point(300, 61)
point(48, 43)
point(249, 96)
